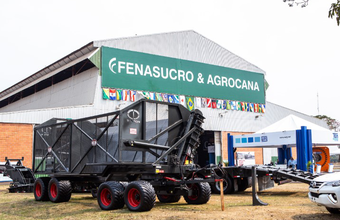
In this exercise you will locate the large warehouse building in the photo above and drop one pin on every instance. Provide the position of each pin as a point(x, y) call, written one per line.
point(103, 76)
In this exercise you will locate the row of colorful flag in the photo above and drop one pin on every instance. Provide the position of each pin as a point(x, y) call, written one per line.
point(119, 94)
point(187, 101)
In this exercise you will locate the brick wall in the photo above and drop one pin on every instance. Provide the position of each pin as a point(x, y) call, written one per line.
point(16, 142)
point(258, 151)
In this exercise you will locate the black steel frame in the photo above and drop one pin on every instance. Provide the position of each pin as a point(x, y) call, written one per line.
point(145, 146)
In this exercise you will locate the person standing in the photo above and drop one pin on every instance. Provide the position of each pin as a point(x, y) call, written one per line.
point(292, 163)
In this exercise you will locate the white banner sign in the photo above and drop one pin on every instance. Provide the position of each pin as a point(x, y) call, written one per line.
point(265, 139)
point(325, 137)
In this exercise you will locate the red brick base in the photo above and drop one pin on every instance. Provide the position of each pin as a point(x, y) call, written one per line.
point(16, 141)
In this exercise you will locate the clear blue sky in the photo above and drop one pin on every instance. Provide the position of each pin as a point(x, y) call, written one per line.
point(297, 47)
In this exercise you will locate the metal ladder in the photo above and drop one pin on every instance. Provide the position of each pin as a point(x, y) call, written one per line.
point(292, 174)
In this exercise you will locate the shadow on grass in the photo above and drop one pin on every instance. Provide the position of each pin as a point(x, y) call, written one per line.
point(177, 205)
point(77, 206)
point(87, 197)
point(266, 193)
point(317, 216)
point(282, 193)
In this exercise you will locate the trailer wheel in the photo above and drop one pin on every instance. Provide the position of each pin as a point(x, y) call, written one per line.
point(139, 196)
point(227, 186)
point(110, 195)
point(124, 184)
point(59, 191)
point(40, 189)
point(168, 198)
point(94, 192)
point(200, 193)
point(333, 210)
point(243, 185)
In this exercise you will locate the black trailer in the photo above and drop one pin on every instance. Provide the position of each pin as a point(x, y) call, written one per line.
point(238, 178)
point(235, 178)
point(126, 157)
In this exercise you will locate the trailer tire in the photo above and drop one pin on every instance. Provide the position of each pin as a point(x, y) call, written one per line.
point(333, 210)
point(40, 189)
point(139, 196)
point(168, 198)
point(227, 186)
point(94, 192)
point(124, 184)
point(110, 195)
point(243, 185)
point(59, 191)
point(200, 195)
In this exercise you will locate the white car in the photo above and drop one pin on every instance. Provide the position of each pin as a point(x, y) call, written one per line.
point(2, 177)
point(325, 190)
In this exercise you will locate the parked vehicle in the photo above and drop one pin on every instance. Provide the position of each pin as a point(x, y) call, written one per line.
point(325, 190)
point(127, 157)
point(3, 178)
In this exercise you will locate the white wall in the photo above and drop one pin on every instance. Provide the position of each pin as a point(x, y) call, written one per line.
point(77, 90)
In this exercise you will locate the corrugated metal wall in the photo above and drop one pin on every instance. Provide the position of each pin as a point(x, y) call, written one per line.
point(77, 90)
point(187, 45)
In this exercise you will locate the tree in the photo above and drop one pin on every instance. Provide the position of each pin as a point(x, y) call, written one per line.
point(334, 10)
point(302, 3)
point(333, 124)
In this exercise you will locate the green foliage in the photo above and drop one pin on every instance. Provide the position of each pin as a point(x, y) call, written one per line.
point(302, 3)
point(333, 124)
point(334, 11)
point(309, 164)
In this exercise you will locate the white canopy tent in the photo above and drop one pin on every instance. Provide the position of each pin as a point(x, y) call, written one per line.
point(291, 123)
point(283, 133)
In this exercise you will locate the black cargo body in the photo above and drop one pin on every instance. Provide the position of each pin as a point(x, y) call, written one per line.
point(148, 145)
point(121, 141)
